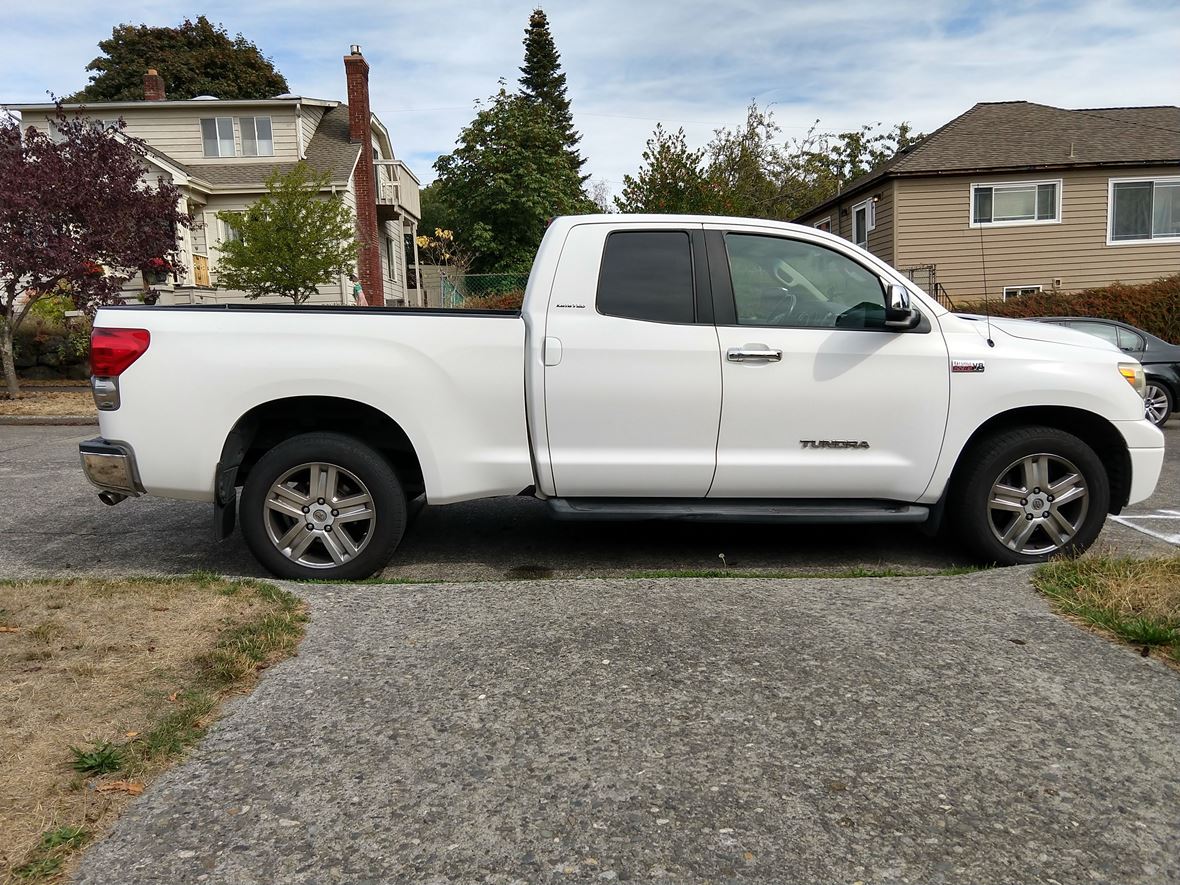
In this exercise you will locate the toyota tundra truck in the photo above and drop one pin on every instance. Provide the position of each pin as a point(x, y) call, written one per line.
point(661, 367)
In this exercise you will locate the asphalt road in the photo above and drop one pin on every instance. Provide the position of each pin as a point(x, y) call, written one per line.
point(937, 730)
point(53, 523)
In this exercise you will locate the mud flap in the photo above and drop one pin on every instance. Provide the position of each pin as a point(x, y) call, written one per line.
point(225, 503)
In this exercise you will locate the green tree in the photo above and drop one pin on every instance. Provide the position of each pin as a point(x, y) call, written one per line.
point(672, 178)
point(291, 240)
point(506, 179)
point(436, 214)
point(543, 82)
point(194, 58)
point(745, 166)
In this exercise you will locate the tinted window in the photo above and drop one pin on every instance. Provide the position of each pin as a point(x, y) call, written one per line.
point(1098, 330)
point(1129, 341)
point(647, 275)
point(780, 282)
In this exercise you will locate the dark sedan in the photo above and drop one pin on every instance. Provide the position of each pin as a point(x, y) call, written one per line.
point(1161, 360)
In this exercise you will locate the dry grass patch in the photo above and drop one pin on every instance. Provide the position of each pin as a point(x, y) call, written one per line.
point(48, 403)
point(1137, 600)
point(104, 684)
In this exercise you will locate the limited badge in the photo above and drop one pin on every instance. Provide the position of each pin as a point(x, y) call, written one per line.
point(967, 365)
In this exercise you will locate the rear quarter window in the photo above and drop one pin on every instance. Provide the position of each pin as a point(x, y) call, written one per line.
point(647, 275)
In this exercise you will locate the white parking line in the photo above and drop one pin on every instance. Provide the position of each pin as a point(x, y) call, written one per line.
point(1169, 531)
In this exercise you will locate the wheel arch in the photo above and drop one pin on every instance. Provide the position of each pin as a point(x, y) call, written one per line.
point(1092, 429)
point(269, 423)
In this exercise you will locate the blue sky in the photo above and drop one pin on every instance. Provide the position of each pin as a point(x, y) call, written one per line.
point(633, 63)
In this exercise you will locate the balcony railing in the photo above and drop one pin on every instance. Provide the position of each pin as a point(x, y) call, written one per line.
point(397, 188)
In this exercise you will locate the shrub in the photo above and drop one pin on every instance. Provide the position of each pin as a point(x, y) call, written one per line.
point(1153, 307)
point(495, 301)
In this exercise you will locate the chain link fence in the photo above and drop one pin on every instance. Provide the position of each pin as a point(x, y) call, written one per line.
point(494, 291)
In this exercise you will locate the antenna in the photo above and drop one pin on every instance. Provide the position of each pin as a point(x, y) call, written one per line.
point(986, 306)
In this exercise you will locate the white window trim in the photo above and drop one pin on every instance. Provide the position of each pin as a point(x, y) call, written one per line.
point(869, 206)
point(254, 124)
point(827, 221)
point(1017, 289)
point(233, 130)
point(971, 203)
point(1150, 241)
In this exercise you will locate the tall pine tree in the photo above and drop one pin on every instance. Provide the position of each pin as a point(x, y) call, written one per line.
point(543, 82)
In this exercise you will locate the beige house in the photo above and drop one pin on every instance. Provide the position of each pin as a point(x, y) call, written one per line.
point(1041, 197)
point(219, 154)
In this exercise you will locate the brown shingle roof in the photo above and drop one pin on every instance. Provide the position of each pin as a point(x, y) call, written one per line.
point(1023, 135)
point(328, 151)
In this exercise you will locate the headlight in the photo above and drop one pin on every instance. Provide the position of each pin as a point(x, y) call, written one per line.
point(1133, 372)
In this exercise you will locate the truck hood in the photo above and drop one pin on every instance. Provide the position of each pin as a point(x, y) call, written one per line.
point(1047, 332)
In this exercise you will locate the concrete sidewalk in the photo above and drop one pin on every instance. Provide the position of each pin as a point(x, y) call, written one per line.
point(935, 730)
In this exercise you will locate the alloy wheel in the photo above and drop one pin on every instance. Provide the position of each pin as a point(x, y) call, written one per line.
point(1155, 402)
point(1037, 504)
point(319, 515)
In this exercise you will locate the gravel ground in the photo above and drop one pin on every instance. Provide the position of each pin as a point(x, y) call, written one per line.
point(941, 729)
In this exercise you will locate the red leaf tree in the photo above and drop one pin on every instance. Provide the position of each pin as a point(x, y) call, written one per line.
point(78, 216)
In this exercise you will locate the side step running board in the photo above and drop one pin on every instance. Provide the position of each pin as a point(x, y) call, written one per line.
point(736, 510)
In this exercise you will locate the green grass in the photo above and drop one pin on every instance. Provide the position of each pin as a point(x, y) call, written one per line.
point(103, 758)
point(1135, 600)
point(55, 846)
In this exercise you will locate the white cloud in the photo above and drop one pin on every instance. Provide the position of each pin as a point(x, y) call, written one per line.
point(631, 63)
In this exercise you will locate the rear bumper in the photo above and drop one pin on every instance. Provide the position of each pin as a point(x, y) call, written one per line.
point(110, 466)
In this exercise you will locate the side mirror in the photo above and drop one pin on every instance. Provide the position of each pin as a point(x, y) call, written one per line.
point(899, 314)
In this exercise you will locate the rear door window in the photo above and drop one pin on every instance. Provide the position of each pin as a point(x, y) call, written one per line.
point(1129, 341)
point(1098, 330)
point(647, 275)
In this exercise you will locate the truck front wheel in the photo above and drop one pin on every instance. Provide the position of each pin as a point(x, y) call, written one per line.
point(322, 505)
point(1027, 494)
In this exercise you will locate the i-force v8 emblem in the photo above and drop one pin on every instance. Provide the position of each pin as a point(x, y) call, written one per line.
point(969, 366)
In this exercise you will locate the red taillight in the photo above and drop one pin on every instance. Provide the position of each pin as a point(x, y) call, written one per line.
point(113, 350)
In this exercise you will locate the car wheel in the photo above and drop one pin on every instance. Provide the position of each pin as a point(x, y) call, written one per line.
point(322, 505)
point(1028, 494)
point(1158, 403)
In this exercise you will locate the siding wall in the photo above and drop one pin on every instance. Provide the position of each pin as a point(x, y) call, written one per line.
point(881, 237)
point(309, 121)
point(933, 227)
point(177, 131)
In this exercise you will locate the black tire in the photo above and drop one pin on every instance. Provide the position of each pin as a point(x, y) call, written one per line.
point(360, 473)
point(1168, 402)
point(1000, 456)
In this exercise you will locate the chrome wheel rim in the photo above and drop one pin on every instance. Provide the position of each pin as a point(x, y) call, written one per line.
point(319, 515)
point(1155, 403)
point(1037, 504)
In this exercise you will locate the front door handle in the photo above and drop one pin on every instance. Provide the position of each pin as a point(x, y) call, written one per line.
point(751, 353)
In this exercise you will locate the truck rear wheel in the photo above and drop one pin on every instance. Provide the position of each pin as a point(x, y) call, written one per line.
point(322, 505)
point(1028, 494)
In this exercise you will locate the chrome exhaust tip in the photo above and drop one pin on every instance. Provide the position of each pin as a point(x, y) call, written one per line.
point(111, 498)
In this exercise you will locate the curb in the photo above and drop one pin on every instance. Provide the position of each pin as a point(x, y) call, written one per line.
point(61, 420)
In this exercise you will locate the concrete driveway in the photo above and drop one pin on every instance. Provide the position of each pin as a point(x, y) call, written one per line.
point(52, 522)
point(938, 730)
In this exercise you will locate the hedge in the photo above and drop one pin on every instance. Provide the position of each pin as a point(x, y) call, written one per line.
point(1153, 307)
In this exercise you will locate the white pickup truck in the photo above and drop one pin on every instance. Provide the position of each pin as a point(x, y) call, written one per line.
point(662, 367)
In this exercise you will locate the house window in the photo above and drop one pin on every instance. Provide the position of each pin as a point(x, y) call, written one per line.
point(864, 219)
point(256, 137)
point(217, 133)
point(1025, 202)
point(1017, 291)
point(229, 232)
point(825, 225)
point(391, 257)
point(1144, 209)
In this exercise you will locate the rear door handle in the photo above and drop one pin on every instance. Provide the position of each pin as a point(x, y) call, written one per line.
point(751, 353)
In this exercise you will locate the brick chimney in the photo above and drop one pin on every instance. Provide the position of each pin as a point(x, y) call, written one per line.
point(153, 86)
point(356, 72)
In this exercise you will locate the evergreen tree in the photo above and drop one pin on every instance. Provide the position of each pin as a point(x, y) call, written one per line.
point(543, 82)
